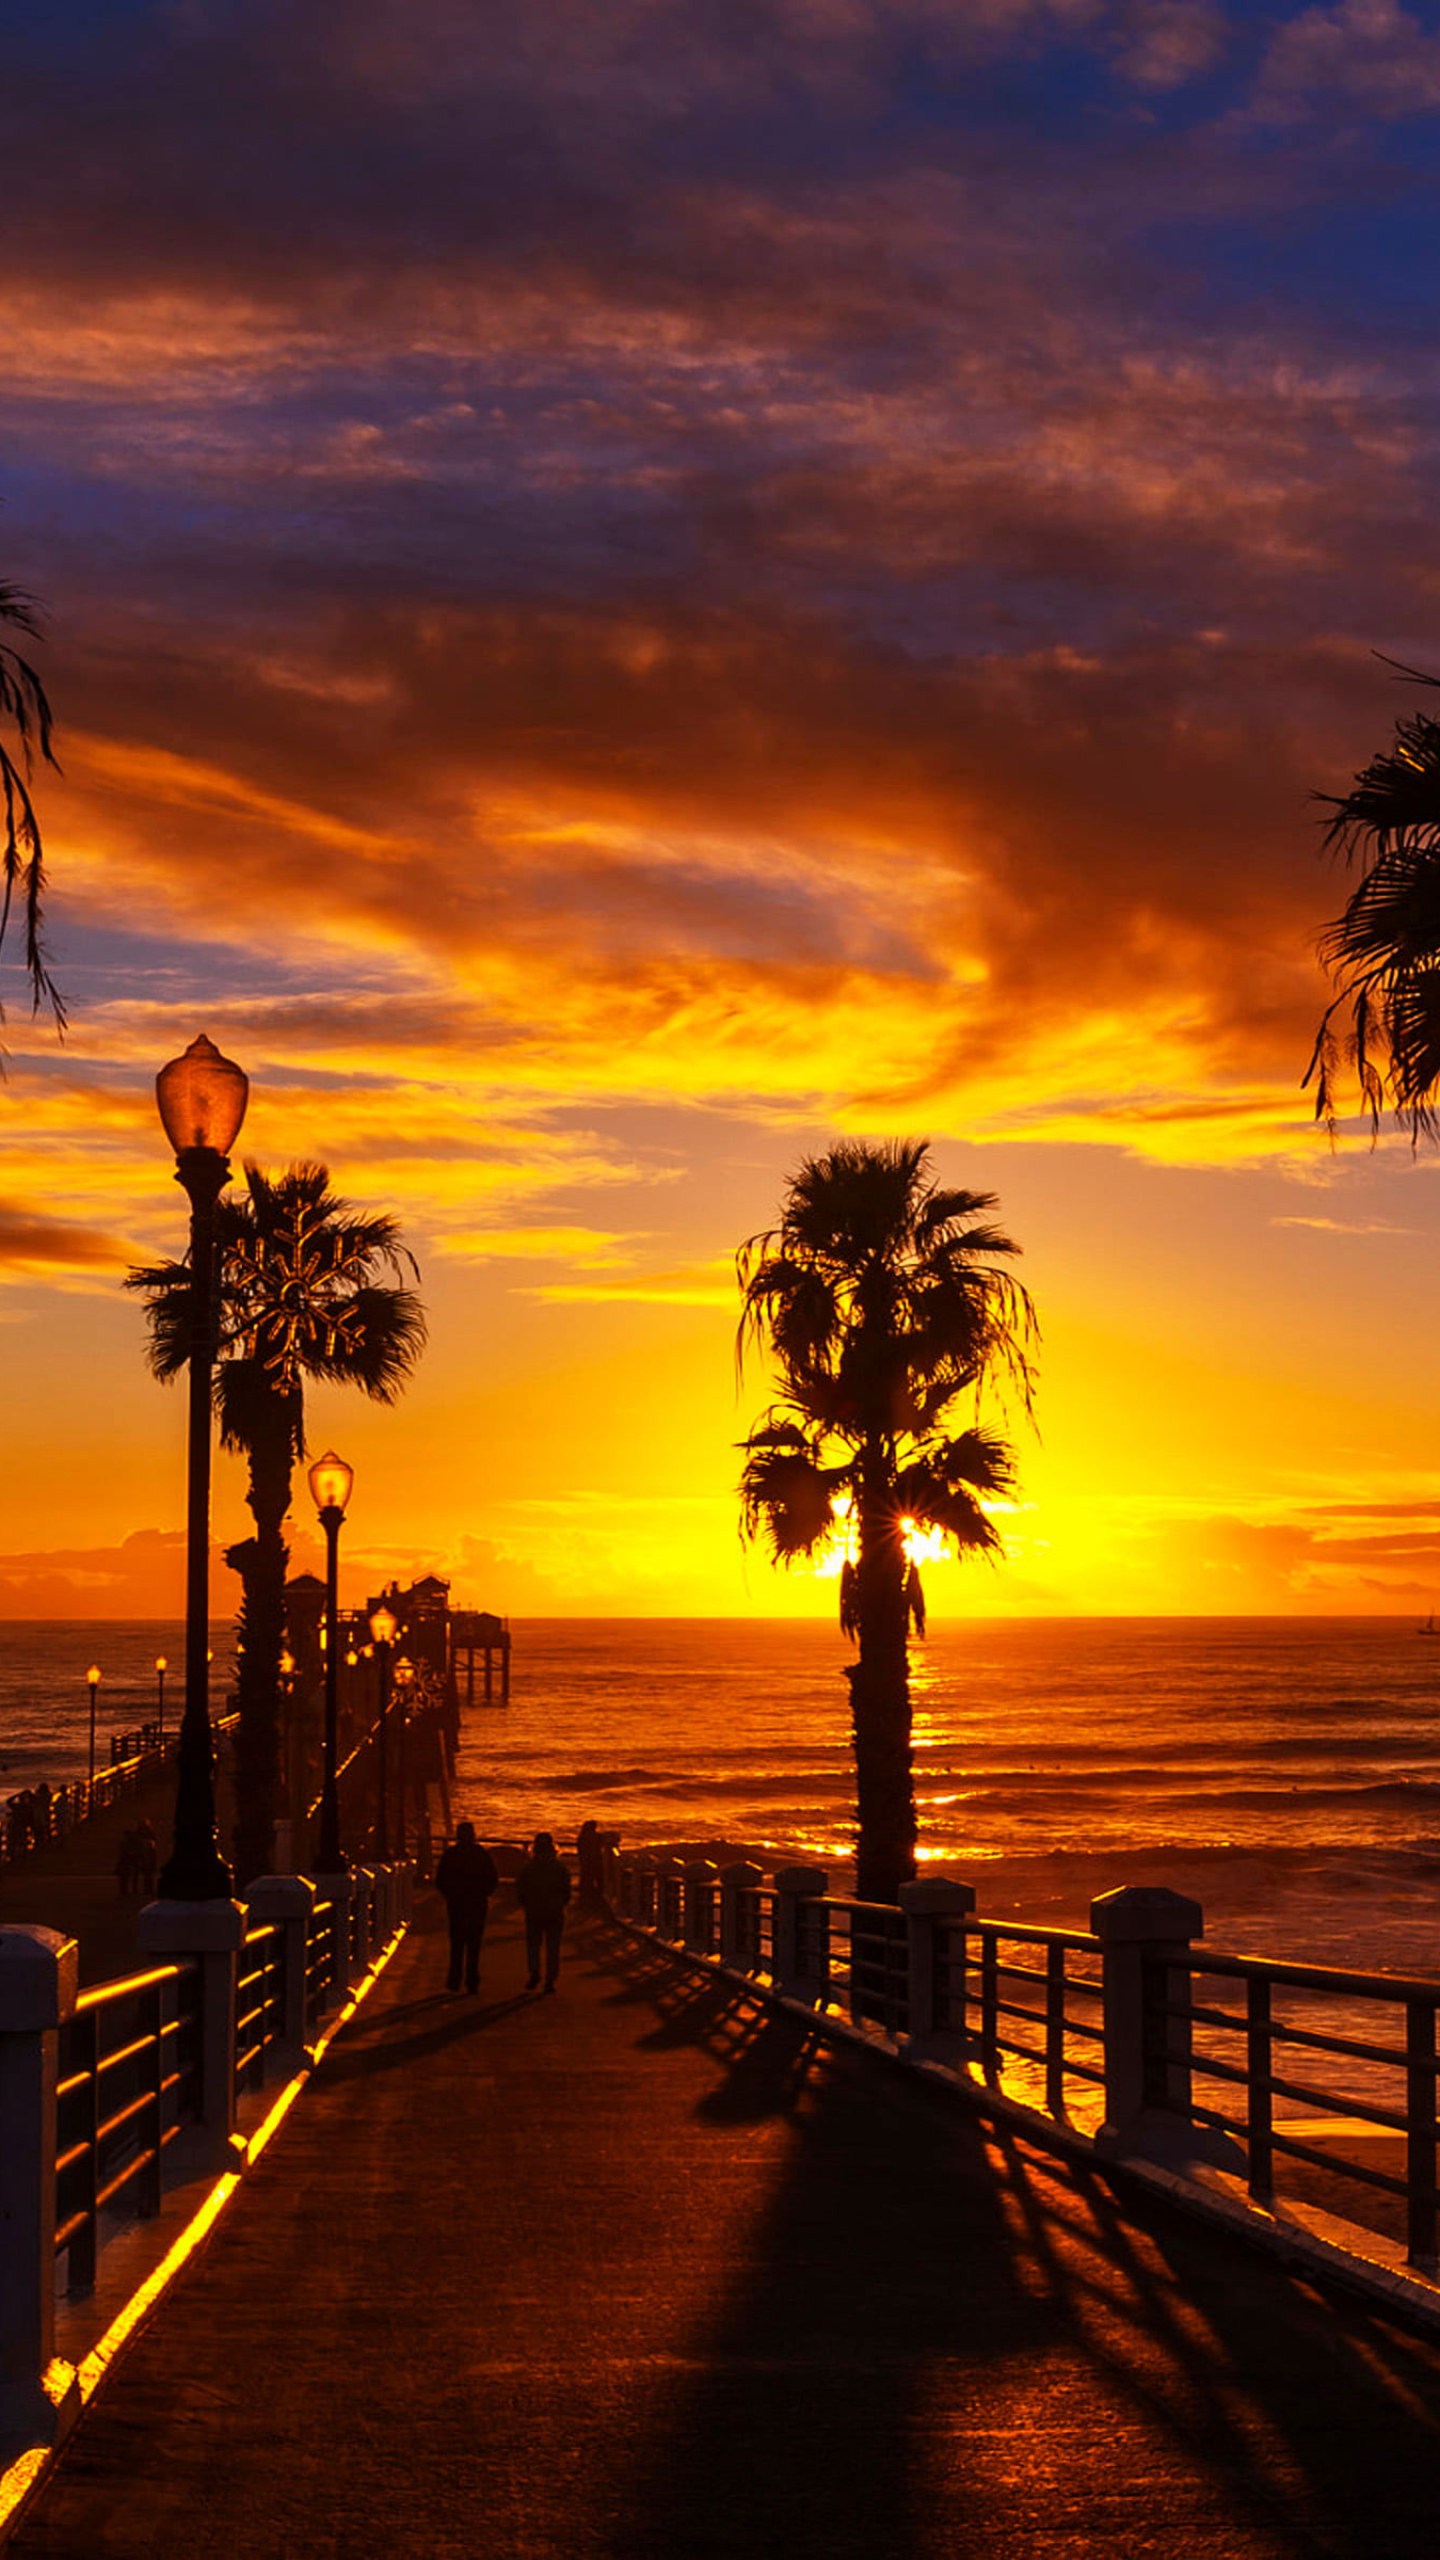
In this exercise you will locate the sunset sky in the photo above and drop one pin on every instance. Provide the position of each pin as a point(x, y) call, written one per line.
point(633, 587)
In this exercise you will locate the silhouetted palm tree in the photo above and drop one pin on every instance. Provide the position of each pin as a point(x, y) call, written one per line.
point(1385, 947)
point(300, 1297)
point(881, 1299)
point(23, 705)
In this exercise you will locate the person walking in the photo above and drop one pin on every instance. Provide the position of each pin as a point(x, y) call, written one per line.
point(147, 1858)
point(590, 1858)
point(543, 1887)
point(466, 1876)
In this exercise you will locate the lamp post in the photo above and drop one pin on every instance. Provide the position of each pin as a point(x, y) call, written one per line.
point(93, 1676)
point(404, 1675)
point(161, 1667)
point(202, 1099)
point(383, 1626)
point(330, 1483)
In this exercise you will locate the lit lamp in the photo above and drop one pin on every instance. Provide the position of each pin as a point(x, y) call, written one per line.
point(383, 1628)
point(161, 1667)
point(330, 1483)
point(93, 1676)
point(202, 1099)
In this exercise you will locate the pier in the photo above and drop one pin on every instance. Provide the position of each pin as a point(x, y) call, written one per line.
point(683, 2262)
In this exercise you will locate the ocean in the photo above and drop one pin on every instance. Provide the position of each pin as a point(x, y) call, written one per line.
point(1284, 1772)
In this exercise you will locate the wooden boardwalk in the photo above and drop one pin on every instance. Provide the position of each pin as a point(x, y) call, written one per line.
point(644, 2269)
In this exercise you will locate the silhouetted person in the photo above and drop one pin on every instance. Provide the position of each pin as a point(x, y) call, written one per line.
point(543, 1887)
point(467, 1876)
point(147, 1856)
point(591, 1860)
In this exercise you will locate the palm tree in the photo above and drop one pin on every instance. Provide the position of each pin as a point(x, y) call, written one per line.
point(881, 1299)
point(23, 704)
point(301, 1296)
point(1385, 948)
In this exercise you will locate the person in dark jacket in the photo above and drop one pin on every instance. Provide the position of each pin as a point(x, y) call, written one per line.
point(590, 1858)
point(467, 1877)
point(543, 1887)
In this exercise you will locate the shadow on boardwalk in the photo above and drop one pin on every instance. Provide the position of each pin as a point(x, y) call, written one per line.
point(947, 2341)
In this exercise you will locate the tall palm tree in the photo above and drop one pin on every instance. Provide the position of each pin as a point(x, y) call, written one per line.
point(881, 1299)
point(302, 1294)
point(26, 710)
point(1385, 947)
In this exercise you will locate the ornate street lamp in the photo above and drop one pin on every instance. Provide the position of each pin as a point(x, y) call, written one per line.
point(161, 1667)
point(330, 1483)
point(93, 1676)
point(384, 1626)
point(202, 1099)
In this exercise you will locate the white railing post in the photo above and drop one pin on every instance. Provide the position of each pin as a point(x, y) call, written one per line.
point(699, 1904)
point(337, 1890)
point(39, 1976)
point(1145, 1931)
point(211, 1934)
point(928, 1904)
point(286, 1903)
point(739, 1877)
point(794, 1886)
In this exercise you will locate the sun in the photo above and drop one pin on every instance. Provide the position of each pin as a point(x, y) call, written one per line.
point(922, 1546)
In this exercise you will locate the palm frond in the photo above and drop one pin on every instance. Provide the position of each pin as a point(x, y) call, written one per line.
point(1383, 950)
point(785, 1492)
point(25, 705)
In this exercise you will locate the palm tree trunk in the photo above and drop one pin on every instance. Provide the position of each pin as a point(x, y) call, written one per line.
point(880, 1697)
point(261, 1562)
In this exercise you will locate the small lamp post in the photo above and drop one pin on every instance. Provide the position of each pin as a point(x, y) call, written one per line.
point(383, 1627)
point(330, 1483)
point(161, 1667)
point(202, 1099)
point(93, 1676)
point(404, 1677)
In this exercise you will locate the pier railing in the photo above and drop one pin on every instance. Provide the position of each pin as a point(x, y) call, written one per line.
point(111, 2096)
point(79, 1799)
point(1261, 2077)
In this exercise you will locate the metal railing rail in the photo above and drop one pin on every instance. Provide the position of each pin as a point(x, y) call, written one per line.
point(1404, 2061)
point(1045, 1999)
point(127, 2066)
point(259, 2002)
point(79, 1799)
point(320, 1967)
point(1126, 2017)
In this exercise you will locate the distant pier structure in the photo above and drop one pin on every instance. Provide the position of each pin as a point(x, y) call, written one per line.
point(475, 1631)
